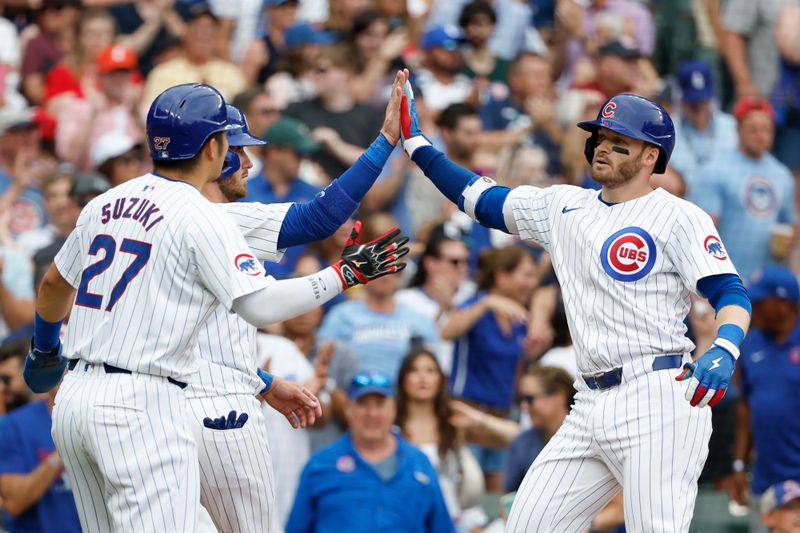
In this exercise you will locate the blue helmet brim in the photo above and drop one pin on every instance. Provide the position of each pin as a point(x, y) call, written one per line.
point(241, 138)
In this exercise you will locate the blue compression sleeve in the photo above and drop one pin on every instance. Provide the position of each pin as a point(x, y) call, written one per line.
point(724, 289)
point(321, 217)
point(45, 334)
point(449, 178)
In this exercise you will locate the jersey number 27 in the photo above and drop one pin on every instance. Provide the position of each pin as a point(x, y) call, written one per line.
point(141, 251)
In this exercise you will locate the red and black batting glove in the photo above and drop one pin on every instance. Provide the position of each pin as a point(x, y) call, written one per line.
point(709, 377)
point(363, 262)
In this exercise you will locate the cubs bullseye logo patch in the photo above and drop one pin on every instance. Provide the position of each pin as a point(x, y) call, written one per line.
point(760, 196)
point(247, 264)
point(629, 254)
point(609, 109)
point(713, 246)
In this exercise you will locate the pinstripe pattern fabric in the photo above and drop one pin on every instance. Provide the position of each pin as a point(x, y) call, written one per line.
point(191, 269)
point(642, 435)
point(129, 451)
point(626, 273)
point(613, 321)
point(236, 477)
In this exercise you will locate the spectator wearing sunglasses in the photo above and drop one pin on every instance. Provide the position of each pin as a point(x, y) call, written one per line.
point(371, 479)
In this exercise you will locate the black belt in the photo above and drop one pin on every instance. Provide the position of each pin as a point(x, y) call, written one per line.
point(110, 369)
point(613, 377)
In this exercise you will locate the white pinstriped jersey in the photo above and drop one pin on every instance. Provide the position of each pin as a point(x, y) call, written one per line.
point(151, 259)
point(626, 270)
point(226, 343)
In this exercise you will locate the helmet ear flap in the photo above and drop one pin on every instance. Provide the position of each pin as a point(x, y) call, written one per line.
point(588, 148)
point(232, 164)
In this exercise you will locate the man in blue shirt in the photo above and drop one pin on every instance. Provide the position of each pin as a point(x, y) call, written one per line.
point(702, 130)
point(279, 182)
point(769, 372)
point(370, 480)
point(748, 192)
point(380, 329)
point(34, 490)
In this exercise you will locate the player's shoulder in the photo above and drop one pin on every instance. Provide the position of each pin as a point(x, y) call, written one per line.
point(680, 209)
point(556, 191)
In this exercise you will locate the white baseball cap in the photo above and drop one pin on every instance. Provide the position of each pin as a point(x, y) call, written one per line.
point(110, 145)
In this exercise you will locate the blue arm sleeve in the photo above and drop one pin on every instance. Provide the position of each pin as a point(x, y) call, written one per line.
point(449, 178)
point(724, 289)
point(322, 216)
point(452, 179)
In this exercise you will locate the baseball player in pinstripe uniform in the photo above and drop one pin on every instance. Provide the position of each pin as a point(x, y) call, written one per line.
point(236, 480)
point(151, 260)
point(627, 259)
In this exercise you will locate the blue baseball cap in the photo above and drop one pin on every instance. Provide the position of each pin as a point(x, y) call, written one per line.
point(774, 281)
point(696, 82)
point(779, 495)
point(448, 37)
point(370, 383)
point(305, 33)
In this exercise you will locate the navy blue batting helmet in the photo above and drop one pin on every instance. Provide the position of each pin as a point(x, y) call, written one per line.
point(634, 116)
point(182, 118)
point(238, 134)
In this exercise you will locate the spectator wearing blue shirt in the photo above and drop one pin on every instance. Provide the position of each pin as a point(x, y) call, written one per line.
point(380, 329)
point(490, 332)
point(289, 141)
point(749, 193)
point(769, 372)
point(702, 130)
point(33, 487)
point(370, 480)
point(12, 360)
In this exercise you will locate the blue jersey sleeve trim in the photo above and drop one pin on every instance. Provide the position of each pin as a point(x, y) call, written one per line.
point(489, 209)
point(724, 289)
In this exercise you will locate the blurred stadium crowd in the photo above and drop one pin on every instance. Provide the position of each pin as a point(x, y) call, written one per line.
point(473, 338)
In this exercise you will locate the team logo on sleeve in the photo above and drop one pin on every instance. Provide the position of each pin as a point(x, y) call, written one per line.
point(713, 246)
point(760, 197)
point(247, 264)
point(629, 254)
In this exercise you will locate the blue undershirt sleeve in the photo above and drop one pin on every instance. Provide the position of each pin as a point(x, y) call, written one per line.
point(321, 217)
point(449, 178)
point(724, 289)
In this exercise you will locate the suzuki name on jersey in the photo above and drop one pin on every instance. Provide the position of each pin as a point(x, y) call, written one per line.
point(137, 209)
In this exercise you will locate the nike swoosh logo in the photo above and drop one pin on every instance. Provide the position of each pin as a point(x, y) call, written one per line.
point(715, 363)
point(567, 210)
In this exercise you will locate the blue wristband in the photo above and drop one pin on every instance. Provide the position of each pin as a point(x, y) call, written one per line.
point(267, 378)
point(45, 334)
point(731, 332)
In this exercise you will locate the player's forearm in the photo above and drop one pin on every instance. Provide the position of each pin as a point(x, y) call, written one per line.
point(20, 492)
point(55, 296)
point(288, 298)
point(735, 315)
point(449, 178)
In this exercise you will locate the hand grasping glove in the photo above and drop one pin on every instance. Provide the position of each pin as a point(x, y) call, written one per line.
point(364, 262)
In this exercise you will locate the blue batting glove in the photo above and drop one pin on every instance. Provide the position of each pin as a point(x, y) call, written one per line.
point(410, 131)
point(43, 370)
point(709, 377)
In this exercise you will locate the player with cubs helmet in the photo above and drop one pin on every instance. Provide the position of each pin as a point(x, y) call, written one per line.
point(148, 262)
point(242, 498)
point(628, 258)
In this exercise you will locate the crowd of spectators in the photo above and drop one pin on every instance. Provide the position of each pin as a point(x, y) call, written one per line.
point(439, 385)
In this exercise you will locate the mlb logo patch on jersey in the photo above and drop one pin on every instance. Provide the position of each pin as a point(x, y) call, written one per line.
point(629, 254)
point(713, 246)
point(247, 264)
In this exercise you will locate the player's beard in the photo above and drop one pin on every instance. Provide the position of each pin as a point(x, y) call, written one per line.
point(611, 177)
point(234, 188)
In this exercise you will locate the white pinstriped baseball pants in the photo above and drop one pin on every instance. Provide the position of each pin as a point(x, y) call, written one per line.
point(128, 449)
point(641, 435)
point(236, 478)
